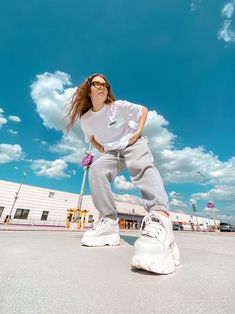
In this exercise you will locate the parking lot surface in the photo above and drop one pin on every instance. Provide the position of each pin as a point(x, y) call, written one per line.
point(50, 272)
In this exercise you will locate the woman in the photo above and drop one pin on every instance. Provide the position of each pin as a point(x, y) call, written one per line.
point(108, 124)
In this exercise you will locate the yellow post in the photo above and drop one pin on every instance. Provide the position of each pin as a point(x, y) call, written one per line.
point(80, 218)
point(67, 224)
point(68, 218)
point(84, 218)
point(74, 214)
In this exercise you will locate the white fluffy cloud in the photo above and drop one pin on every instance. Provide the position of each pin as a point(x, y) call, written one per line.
point(10, 152)
point(220, 182)
point(193, 201)
point(3, 120)
point(50, 96)
point(177, 204)
point(225, 32)
point(175, 195)
point(12, 132)
point(70, 147)
point(215, 194)
point(206, 209)
point(226, 218)
point(194, 5)
point(51, 92)
point(127, 198)
point(228, 9)
point(158, 134)
point(181, 166)
point(14, 119)
point(52, 169)
point(120, 183)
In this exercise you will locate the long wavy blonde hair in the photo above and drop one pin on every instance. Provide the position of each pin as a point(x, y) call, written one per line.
point(81, 101)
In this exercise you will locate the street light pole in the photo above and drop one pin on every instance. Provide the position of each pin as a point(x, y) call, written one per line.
point(207, 194)
point(194, 207)
point(86, 167)
point(233, 197)
point(17, 194)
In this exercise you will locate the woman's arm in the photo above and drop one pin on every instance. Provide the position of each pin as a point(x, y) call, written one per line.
point(141, 124)
point(97, 145)
point(142, 120)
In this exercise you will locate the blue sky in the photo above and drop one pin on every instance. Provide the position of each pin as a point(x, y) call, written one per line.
point(175, 57)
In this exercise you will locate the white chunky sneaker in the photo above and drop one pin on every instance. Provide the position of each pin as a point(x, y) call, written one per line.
point(156, 250)
point(106, 232)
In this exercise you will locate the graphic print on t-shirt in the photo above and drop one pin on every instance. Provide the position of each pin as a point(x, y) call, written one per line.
point(116, 123)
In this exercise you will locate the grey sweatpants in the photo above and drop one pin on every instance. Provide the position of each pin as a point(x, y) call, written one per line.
point(138, 159)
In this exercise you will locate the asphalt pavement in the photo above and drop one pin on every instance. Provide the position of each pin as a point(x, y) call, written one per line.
point(50, 272)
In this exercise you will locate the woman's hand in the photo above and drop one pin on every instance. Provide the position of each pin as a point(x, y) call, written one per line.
point(141, 124)
point(97, 145)
point(100, 148)
point(134, 137)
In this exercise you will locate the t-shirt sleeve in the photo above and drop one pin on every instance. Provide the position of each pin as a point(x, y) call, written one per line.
point(134, 110)
point(87, 136)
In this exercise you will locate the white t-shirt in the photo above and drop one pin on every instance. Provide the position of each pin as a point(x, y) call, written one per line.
point(113, 125)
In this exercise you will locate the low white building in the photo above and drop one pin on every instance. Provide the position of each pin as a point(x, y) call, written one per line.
point(41, 206)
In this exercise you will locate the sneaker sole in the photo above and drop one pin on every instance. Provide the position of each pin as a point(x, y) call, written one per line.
point(176, 254)
point(151, 263)
point(111, 240)
point(160, 264)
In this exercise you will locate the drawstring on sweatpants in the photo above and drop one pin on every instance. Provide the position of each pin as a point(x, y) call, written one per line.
point(118, 161)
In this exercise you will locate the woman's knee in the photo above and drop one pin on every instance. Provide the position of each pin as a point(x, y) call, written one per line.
point(97, 170)
point(94, 169)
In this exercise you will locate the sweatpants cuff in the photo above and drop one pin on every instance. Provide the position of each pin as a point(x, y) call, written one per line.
point(109, 214)
point(161, 208)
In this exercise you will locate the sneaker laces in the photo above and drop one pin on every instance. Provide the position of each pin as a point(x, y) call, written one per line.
point(153, 226)
point(101, 222)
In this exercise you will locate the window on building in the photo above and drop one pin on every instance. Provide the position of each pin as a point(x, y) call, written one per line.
point(21, 213)
point(1, 210)
point(51, 194)
point(44, 215)
point(90, 218)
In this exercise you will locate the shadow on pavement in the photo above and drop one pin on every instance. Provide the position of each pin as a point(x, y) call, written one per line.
point(144, 272)
point(130, 240)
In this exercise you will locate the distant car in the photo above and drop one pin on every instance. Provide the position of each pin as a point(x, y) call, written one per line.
point(177, 226)
point(232, 227)
point(224, 226)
